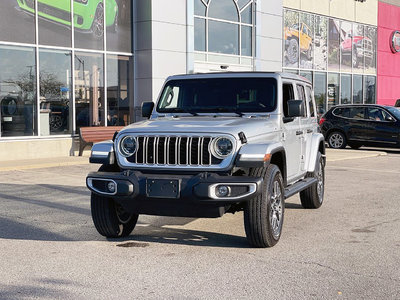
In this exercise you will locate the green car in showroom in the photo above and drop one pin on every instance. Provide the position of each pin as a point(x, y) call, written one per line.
point(88, 14)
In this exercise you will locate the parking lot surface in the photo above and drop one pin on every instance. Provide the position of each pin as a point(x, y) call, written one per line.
point(347, 249)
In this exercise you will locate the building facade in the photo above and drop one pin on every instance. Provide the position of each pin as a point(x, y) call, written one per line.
point(73, 63)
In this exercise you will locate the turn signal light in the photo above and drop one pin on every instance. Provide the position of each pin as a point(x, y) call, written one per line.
point(321, 121)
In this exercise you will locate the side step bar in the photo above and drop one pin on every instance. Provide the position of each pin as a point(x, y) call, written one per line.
point(299, 186)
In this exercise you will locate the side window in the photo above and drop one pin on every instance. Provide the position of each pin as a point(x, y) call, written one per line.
point(357, 113)
point(310, 100)
point(287, 94)
point(301, 96)
point(170, 98)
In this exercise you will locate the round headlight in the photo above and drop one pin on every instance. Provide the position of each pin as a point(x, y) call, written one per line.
point(128, 146)
point(223, 147)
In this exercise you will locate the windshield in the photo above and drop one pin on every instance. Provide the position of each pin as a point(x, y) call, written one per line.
point(211, 95)
point(395, 111)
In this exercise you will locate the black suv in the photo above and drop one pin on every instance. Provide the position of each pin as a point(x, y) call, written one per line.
point(361, 125)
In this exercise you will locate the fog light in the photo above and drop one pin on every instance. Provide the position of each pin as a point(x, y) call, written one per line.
point(222, 191)
point(111, 187)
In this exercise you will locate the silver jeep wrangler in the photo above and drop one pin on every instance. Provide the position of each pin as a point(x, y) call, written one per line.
point(214, 143)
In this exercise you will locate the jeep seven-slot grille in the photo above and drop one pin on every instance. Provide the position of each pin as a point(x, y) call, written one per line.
point(175, 150)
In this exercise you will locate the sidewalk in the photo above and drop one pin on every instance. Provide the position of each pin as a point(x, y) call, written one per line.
point(331, 154)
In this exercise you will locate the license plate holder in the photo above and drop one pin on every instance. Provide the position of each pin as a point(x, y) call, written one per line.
point(162, 188)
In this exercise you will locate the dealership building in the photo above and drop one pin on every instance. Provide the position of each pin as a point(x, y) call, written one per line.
point(75, 63)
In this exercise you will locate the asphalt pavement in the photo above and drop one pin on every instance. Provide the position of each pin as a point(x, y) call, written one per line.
point(347, 249)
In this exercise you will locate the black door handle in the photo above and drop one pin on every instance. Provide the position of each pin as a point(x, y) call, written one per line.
point(299, 132)
point(309, 130)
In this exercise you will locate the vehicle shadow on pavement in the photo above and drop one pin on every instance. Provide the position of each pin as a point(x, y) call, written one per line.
point(187, 237)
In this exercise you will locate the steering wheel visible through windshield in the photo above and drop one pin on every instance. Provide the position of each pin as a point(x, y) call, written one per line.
point(216, 95)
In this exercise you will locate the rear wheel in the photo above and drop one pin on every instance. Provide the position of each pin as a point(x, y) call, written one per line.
point(313, 196)
point(337, 140)
point(263, 215)
point(293, 51)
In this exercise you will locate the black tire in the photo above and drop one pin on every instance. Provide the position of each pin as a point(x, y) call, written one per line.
point(337, 140)
point(110, 219)
point(98, 22)
point(354, 146)
point(313, 197)
point(293, 51)
point(263, 215)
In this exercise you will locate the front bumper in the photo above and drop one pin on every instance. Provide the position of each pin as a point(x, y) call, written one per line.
point(174, 195)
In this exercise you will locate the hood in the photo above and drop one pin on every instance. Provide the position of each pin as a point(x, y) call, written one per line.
point(232, 125)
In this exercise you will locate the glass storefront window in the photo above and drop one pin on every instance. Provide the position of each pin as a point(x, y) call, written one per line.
point(357, 89)
point(345, 89)
point(119, 25)
point(358, 47)
point(334, 41)
point(333, 89)
point(55, 23)
point(369, 89)
point(118, 82)
point(320, 92)
point(55, 83)
point(223, 37)
point(291, 47)
point(199, 34)
point(370, 49)
point(18, 91)
point(21, 15)
point(89, 89)
point(89, 23)
point(346, 46)
point(307, 74)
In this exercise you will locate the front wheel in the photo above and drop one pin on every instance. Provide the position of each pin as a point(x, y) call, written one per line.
point(263, 215)
point(110, 218)
point(313, 196)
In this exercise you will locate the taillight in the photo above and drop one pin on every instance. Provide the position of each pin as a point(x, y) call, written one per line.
point(321, 121)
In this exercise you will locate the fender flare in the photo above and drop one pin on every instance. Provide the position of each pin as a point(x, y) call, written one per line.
point(257, 155)
point(103, 153)
point(317, 145)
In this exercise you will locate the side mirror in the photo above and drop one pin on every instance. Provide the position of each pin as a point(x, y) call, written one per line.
point(147, 108)
point(295, 108)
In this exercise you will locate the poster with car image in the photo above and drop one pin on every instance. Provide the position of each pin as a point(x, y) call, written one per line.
point(370, 49)
point(346, 46)
point(334, 49)
point(119, 28)
point(306, 33)
point(291, 39)
point(320, 43)
point(359, 53)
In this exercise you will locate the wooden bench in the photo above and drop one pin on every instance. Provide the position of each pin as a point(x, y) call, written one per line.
point(95, 134)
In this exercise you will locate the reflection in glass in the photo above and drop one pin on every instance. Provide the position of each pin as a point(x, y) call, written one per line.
point(243, 3)
point(369, 89)
point(333, 89)
point(346, 46)
point(345, 89)
point(370, 49)
point(306, 74)
point(89, 23)
point(224, 10)
point(118, 92)
point(55, 92)
point(55, 23)
point(119, 25)
point(306, 33)
point(357, 89)
point(16, 24)
point(18, 91)
point(89, 89)
point(320, 43)
point(199, 8)
point(246, 41)
point(320, 92)
point(358, 47)
point(291, 43)
point(223, 37)
point(334, 51)
point(199, 34)
point(246, 15)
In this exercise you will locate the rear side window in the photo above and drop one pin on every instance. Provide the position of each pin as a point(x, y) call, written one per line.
point(302, 96)
point(288, 94)
point(310, 101)
point(357, 113)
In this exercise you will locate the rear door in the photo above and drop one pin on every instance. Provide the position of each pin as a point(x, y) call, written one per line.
point(357, 127)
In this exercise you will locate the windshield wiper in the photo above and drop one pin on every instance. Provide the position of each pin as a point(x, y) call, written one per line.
point(221, 110)
point(183, 110)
